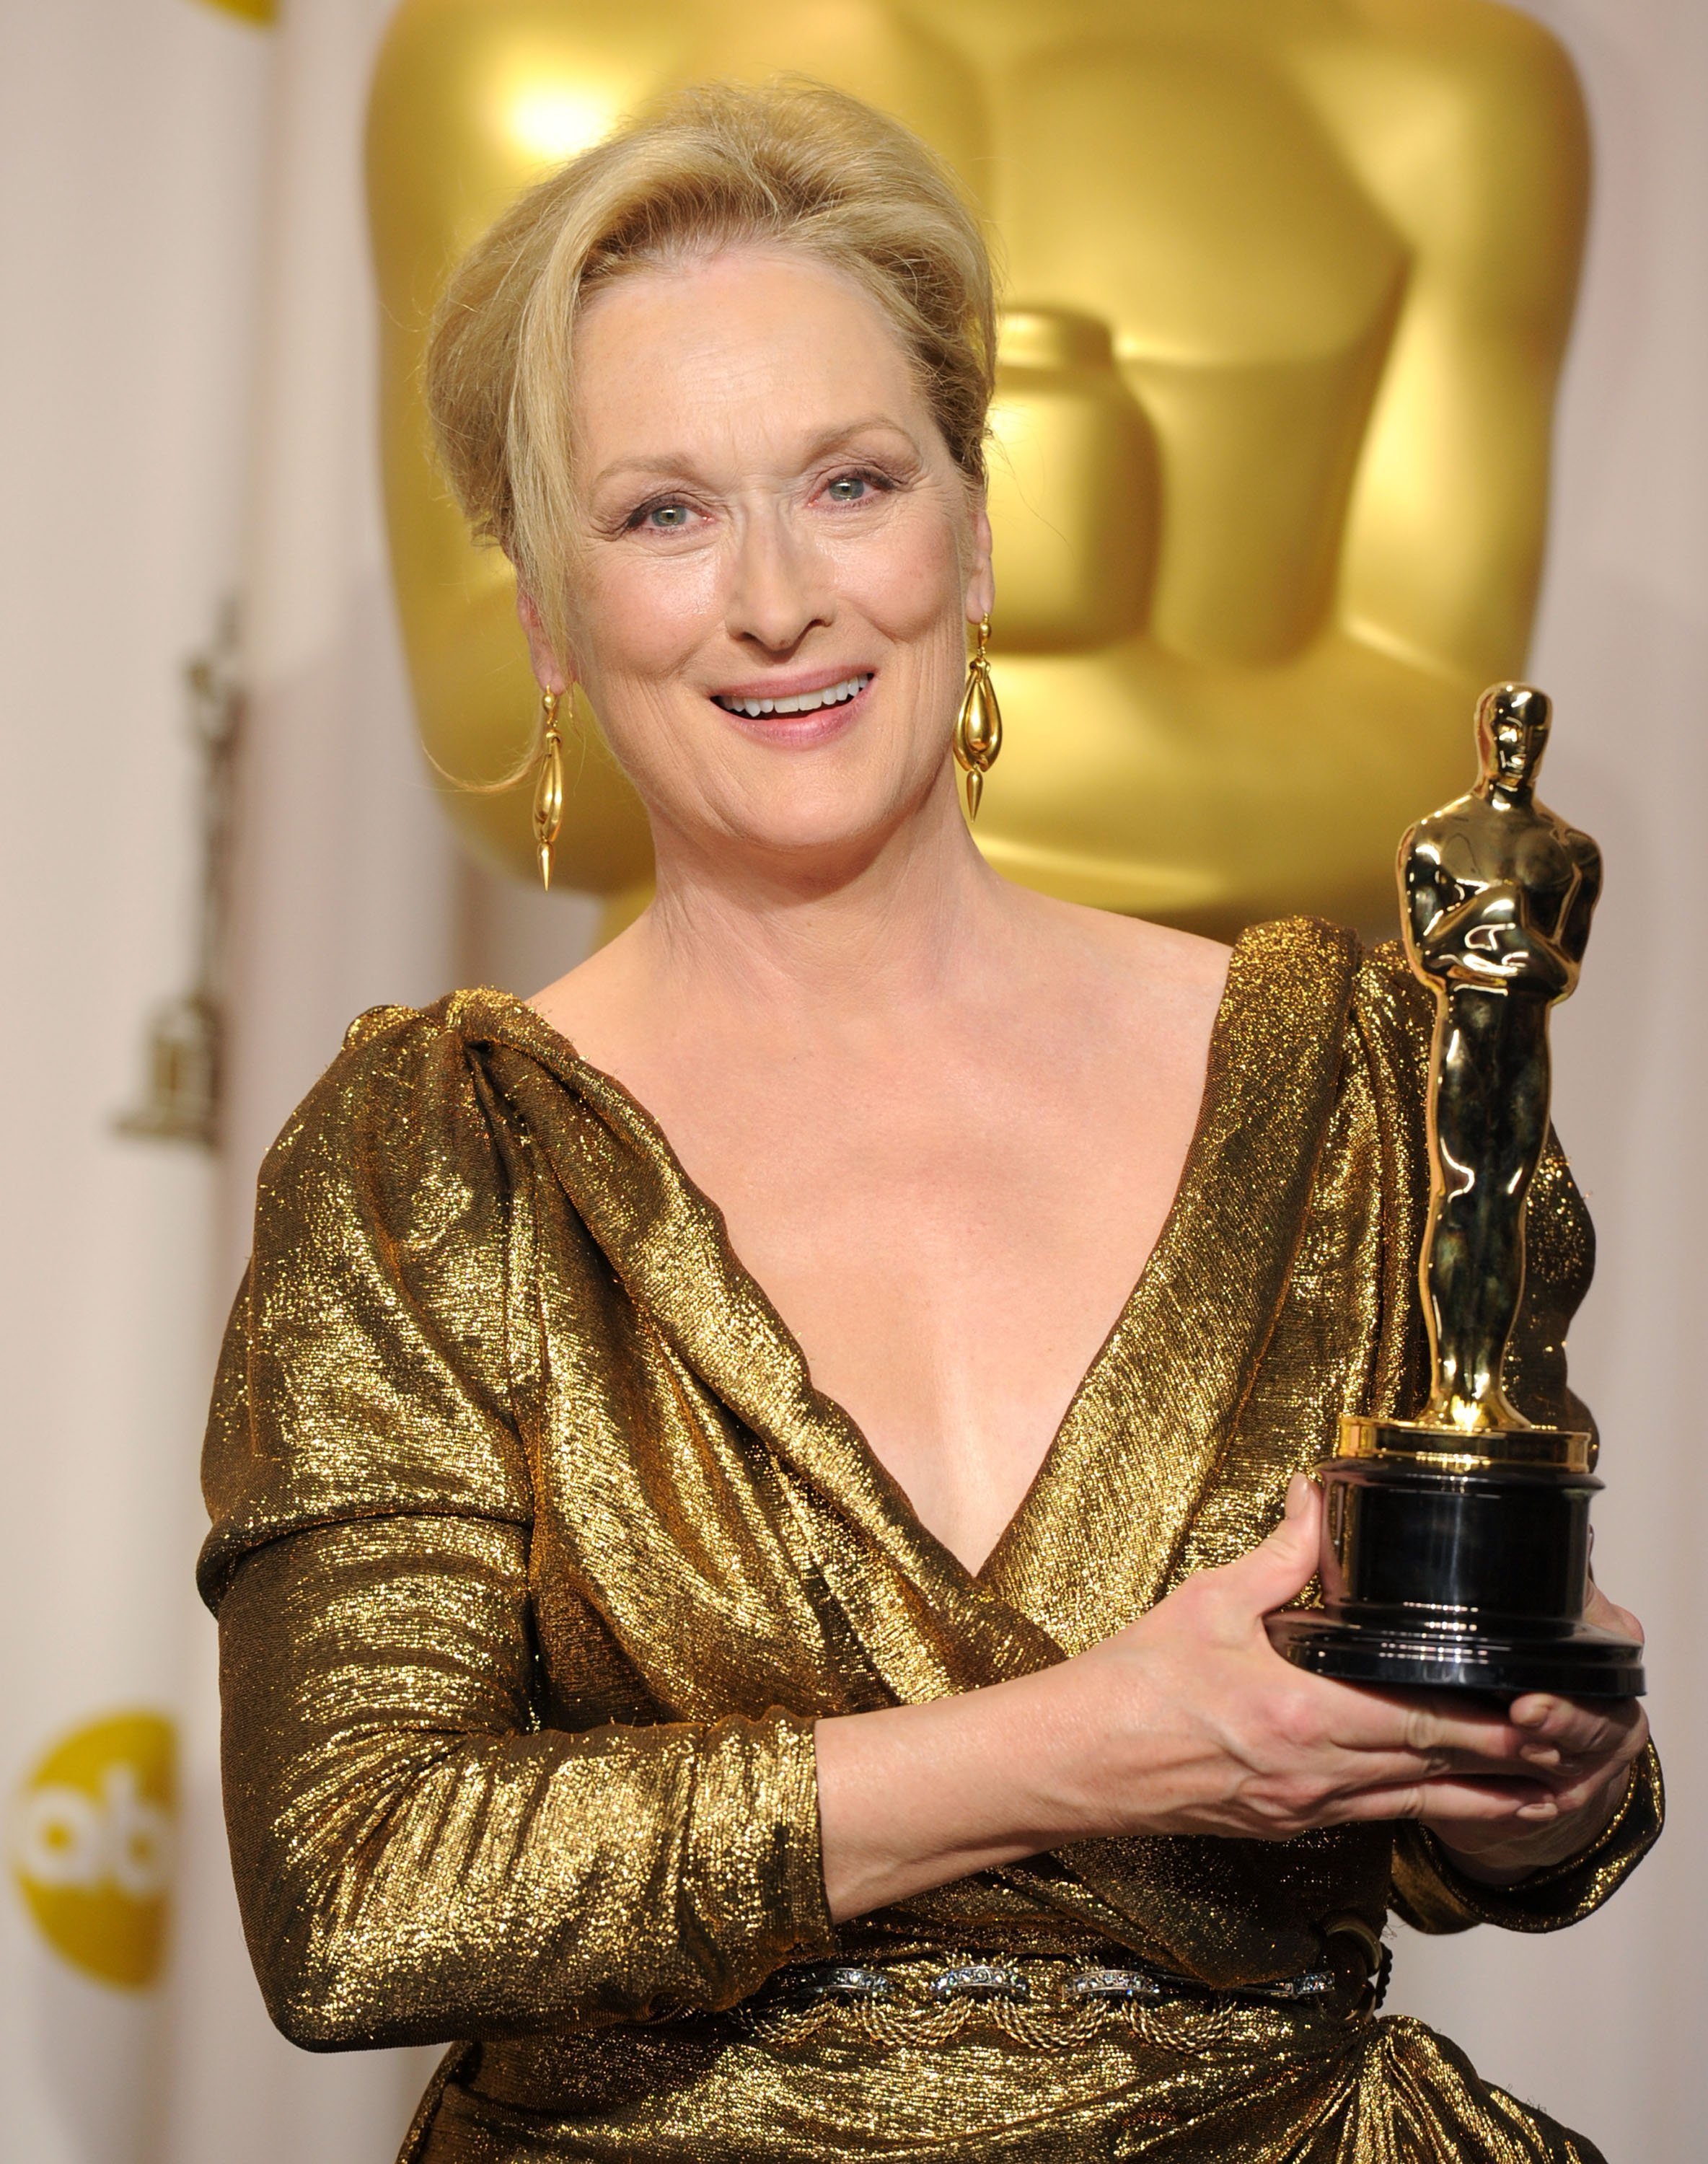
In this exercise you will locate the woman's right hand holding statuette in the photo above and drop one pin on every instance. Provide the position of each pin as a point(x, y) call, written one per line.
point(1187, 1722)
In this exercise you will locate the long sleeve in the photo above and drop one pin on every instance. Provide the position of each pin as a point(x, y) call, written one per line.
point(417, 1857)
point(1433, 1896)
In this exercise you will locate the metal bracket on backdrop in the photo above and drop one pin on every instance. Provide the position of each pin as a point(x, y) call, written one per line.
point(181, 1094)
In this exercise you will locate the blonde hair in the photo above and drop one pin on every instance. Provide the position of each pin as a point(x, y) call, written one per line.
point(795, 164)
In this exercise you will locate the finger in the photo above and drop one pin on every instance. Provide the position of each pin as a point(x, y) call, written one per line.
point(1281, 1567)
point(1553, 1727)
point(1442, 1730)
point(1382, 1770)
point(1450, 1803)
point(1577, 1728)
point(1598, 1792)
point(1576, 1777)
point(1374, 1769)
point(1607, 1614)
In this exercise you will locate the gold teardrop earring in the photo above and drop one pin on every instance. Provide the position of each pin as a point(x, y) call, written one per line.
point(978, 737)
point(549, 790)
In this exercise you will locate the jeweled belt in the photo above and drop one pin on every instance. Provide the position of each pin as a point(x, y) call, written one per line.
point(1052, 2002)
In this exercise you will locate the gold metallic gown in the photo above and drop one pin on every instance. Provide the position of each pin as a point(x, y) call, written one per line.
point(536, 1552)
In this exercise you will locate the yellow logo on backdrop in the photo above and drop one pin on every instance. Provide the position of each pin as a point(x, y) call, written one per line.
point(92, 1845)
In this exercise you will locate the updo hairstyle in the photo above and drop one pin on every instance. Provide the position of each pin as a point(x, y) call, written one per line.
point(794, 164)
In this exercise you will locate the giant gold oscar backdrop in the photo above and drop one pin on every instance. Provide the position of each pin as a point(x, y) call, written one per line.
point(1287, 284)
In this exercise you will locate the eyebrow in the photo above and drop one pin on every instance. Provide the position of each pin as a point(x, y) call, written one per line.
point(677, 464)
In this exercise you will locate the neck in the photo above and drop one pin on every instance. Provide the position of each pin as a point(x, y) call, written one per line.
point(884, 926)
point(1498, 791)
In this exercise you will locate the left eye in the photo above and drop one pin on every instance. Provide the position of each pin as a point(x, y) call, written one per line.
point(848, 488)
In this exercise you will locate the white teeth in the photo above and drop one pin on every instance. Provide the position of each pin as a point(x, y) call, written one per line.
point(806, 702)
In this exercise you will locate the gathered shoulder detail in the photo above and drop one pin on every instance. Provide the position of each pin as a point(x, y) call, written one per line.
point(370, 1364)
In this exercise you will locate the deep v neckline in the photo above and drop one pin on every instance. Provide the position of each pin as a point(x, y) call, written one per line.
point(1173, 1228)
point(752, 1359)
point(1178, 1211)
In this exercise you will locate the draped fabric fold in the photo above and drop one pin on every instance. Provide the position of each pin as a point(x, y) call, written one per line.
point(536, 1551)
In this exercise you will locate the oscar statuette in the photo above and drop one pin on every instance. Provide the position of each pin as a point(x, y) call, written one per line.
point(1456, 1546)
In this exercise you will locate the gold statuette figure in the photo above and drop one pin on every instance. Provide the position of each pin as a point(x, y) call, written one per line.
point(1497, 894)
point(1456, 1544)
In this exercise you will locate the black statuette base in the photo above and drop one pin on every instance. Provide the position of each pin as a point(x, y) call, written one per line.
point(1582, 1663)
point(1458, 1580)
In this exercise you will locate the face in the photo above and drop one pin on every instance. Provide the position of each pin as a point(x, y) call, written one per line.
point(1512, 728)
point(776, 561)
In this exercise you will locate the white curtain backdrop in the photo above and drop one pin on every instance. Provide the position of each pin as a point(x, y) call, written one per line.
point(1606, 2023)
point(343, 899)
point(348, 894)
point(130, 158)
point(189, 386)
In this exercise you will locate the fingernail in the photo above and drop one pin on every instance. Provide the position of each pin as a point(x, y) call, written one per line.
point(1539, 1754)
point(1533, 1713)
point(1298, 1494)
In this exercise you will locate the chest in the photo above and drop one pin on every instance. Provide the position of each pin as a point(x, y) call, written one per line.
point(709, 1536)
point(931, 1179)
point(949, 1239)
point(1527, 857)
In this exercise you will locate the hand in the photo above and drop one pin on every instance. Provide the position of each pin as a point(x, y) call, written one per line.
point(1200, 1727)
point(1189, 1722)
point(1580, 1751)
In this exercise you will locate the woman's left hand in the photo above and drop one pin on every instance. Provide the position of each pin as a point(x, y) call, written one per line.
point(1580, 1754)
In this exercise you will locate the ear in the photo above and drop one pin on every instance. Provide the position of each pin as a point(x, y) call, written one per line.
point(981, 586)
point(548, 669)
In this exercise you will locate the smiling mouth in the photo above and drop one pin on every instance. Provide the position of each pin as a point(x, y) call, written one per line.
point(803, 702)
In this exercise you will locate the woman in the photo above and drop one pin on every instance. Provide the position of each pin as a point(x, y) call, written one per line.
point(785, 1677)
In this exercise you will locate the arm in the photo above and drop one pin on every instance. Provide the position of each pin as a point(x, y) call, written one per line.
point(1484, 934)
point(1575, 931)
point(1465, 122)
point(1422, 879)
point(417, 1857)
point(1490, 939)
point(1187, 1722)
point(1438, 1889)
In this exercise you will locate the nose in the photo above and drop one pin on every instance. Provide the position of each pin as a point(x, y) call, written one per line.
point(778, 588)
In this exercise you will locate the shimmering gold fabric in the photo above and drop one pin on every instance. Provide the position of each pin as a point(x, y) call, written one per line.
point(536, 1552)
